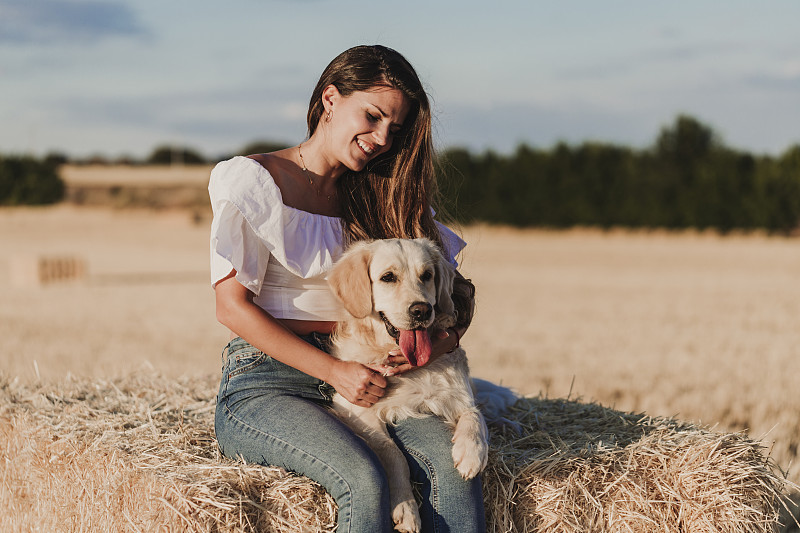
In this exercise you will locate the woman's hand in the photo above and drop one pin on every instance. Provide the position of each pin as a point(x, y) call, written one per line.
point(360, 385)
point(357, 383)
point(442, 342)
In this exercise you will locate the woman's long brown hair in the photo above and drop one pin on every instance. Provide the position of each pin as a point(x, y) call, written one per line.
point(394, 194)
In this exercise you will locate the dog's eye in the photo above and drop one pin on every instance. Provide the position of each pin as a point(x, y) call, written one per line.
point(389, 277)
point(426, 276)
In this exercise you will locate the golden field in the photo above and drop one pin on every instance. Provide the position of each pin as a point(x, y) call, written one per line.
point(697, 326)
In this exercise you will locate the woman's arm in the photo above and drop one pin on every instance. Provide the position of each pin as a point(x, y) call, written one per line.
point(359, 384)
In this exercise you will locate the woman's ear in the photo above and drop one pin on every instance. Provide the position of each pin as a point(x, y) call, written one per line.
point(349, 281)
point(330, 95)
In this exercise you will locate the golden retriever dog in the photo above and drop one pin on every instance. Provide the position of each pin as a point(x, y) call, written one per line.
point(396, 292)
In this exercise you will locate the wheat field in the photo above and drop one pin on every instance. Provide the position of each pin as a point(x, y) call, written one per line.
point(696, 326)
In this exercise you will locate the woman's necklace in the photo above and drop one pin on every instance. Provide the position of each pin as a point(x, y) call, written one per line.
point(308, 175)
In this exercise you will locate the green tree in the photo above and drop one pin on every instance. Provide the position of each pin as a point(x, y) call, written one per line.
point(262, 147)
point(783, 191)
point(169, 155)
point(25, 180)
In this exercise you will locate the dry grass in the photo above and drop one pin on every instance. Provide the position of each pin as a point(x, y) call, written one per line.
point(697, 326)
point(136, 176)
point(694, 326)
point(152, 186)
point(145, 303)
point(138, 454)
point(580, 467)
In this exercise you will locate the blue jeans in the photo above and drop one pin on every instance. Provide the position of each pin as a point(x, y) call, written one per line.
point(272, 414)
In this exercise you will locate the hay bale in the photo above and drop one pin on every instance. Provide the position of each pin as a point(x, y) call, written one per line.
point(138, 454)
point(35, 271)
point(580, 467)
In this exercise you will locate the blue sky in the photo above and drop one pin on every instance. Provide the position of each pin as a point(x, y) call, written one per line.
point(120, 77)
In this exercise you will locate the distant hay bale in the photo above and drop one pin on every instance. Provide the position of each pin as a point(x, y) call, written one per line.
point(35, 271)
point(138, 454)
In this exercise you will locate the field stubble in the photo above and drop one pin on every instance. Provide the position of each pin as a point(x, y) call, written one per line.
point(697, 326)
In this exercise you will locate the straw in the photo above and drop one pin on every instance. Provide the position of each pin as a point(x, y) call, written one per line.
point(138, 454)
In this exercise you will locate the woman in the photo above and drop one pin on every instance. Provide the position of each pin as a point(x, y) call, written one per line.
point(280, 221)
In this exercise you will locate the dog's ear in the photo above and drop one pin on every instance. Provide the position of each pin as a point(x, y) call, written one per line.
point(349, 281)
point(445, 273)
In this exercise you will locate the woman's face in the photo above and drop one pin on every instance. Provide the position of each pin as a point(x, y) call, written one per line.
point(363, 124)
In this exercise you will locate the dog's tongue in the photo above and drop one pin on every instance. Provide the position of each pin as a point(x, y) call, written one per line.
point(415, 345)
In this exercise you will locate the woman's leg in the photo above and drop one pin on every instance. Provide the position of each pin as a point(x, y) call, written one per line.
point(267, 417)
point(449, 503)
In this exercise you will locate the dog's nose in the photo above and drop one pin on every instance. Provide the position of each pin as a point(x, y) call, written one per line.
point(420, 310)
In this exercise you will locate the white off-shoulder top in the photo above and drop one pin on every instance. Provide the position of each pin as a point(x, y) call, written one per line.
point(281, 254)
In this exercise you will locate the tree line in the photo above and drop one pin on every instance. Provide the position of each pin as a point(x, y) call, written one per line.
point(687, 179)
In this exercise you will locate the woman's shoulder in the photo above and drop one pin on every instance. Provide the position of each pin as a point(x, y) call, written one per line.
point(273, 163)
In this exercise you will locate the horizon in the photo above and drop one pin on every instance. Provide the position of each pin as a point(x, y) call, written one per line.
point(211, 158)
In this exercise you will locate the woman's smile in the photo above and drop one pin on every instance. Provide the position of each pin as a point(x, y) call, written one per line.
point(364, 147)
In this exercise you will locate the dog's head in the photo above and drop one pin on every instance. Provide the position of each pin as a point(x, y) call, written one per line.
point(405, 283)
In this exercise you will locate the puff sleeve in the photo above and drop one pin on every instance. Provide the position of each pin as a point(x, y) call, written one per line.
point(453, 244)
point(234, 243)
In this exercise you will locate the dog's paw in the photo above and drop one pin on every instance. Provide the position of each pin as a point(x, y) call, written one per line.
point(470, 446)
point(470, 457)
point(405, 516)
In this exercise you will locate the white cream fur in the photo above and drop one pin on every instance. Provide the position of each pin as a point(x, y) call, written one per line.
point(441, 388)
